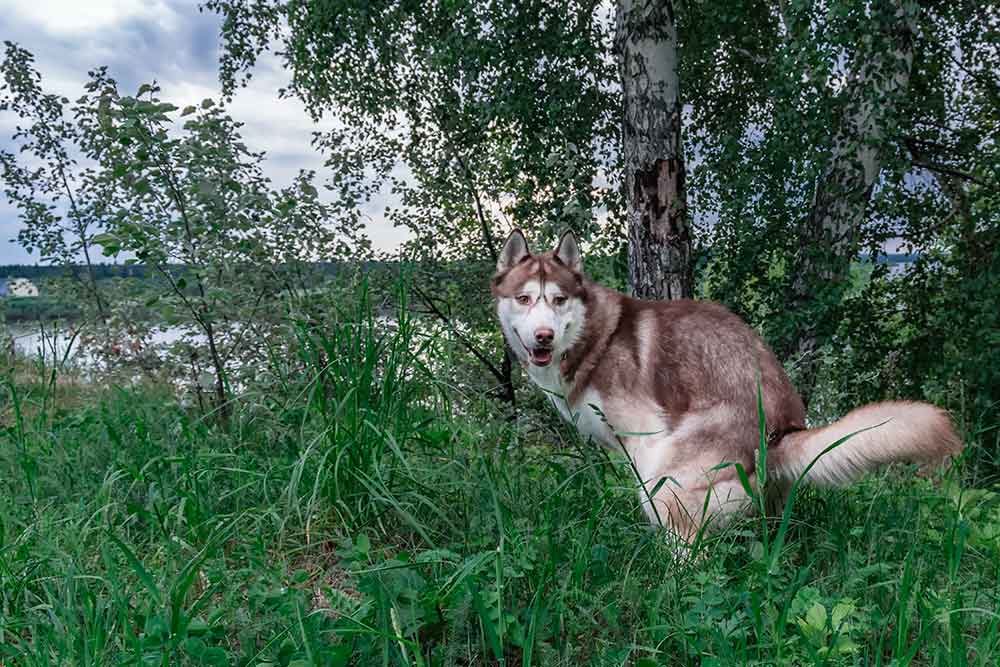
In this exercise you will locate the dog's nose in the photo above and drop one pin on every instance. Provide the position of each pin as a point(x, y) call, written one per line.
point(544, 336)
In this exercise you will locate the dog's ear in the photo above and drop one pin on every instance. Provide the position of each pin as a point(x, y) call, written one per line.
point(515, 250)
point(568, 252)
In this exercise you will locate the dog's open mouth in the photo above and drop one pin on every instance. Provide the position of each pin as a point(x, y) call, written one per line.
point(541, 356)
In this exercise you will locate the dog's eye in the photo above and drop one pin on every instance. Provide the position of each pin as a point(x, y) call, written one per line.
point(524, 299)
point(559, 300)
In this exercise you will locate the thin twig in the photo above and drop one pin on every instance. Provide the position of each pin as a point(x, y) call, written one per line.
point(461, 337)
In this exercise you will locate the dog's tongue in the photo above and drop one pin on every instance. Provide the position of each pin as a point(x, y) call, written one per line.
point(541, 357)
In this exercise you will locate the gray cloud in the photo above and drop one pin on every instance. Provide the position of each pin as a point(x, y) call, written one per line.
point(171, 42)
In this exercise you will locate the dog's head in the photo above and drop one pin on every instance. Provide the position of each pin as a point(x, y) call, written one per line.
point(541, 299)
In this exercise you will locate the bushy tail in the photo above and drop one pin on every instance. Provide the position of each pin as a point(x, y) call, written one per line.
point(913, 432)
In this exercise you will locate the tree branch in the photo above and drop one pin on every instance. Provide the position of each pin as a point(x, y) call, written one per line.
point(81, 231)
point(437, 312)
point(474, 193)
point(948, 171)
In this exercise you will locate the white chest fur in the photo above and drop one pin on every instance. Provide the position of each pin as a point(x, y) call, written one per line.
point(631, 423)
point(582, 414)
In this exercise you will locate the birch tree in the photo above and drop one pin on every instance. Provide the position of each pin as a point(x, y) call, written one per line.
point(876, 86)
point(656, 207)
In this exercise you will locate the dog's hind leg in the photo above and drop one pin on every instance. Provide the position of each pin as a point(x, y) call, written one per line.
point(690, 512)
point(693, 477)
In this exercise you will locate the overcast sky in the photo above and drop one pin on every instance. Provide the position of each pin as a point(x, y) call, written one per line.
point(178, 46)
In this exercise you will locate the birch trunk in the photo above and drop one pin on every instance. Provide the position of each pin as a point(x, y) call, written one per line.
point(840, 202)
point(658, 228)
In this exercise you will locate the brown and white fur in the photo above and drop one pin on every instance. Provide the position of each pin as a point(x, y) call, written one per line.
point(674, 385)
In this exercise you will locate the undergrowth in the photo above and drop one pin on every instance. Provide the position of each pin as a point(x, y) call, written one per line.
point(354, 514)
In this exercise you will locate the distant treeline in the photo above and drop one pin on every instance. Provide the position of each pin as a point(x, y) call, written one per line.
point(53, 304)
point(101, 271)
point(31, 309)
point(141, 271)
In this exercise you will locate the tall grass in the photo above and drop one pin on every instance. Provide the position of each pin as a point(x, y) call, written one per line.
point(360, 521)
point(366, 394)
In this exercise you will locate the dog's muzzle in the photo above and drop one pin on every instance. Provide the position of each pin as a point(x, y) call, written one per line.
point(540, 355)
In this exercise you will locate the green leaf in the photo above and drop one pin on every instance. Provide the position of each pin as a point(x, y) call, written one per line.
point(840, 612)
point(660, 483)
point(844, 645)
point(816, 616)
point(194, 646)
point(198, 626)
point(103, 239)
point(215, 655)
point(137, 567)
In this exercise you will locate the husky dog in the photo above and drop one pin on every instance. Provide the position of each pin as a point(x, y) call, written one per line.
point(673, 385)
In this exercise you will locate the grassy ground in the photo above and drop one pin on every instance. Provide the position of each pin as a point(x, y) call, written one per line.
point(355, 514)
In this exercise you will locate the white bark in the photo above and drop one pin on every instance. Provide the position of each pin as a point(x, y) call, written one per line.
point(659, 232)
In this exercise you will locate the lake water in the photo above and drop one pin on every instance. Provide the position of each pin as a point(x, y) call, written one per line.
point(32, 341)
